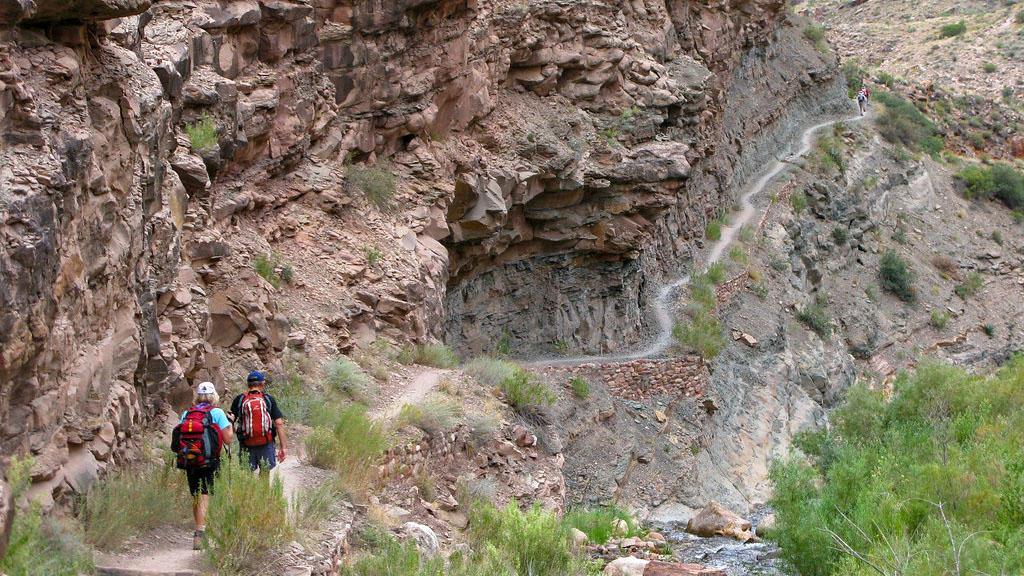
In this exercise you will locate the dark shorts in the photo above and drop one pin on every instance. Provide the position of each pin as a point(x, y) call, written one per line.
point(262, 457)
point(200, 481)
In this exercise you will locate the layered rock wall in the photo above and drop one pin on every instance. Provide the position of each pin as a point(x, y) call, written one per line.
point(547, 155)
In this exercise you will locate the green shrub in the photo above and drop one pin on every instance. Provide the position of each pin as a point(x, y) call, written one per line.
point(378, 184)
point(989, 67)
point(39, 545)
point(490, 372)
point(523, 392)
point(854, 77)
point(1018, 216)
point(829, 155)
point(840, 235)
point(580, 387)
point(897, 277)
point(876, 477)
point(989, 329)
point(1019, 18)
point(433, 416)
point(531, 543)
point(248, 516)
point(347, 441)
point(715, 273)
point(798, 201)
point(738, 255)
point(970, 286)
point(902, 123)
point(703, 334)
point(816, 318)
point(134, 502)
point(434, 355)
point(599, 523)
point(389, 557)
point(713, 230)
point(939, 319)
point(345, 376)
point(292, 391)
point(267, 265)
point(1000, 180)
point(703, 299)
point(815, 34)
point(373, 254)
point(482, 428)
point(951, 30)
point(203, 134)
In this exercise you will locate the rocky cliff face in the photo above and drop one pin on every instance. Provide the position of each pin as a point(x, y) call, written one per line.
point(551, 158)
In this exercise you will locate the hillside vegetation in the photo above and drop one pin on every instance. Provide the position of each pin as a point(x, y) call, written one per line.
point(928, 482)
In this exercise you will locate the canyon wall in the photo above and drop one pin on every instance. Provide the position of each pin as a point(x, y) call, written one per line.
point(551, 157)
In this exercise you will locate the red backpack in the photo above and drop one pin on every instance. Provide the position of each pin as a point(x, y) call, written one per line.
point(255, 427)
point(196, 440)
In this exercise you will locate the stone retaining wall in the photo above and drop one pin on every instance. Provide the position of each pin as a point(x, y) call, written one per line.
point(642, 378)
point(407, 460)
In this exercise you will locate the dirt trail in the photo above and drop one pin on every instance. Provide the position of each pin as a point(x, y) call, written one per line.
point(668, 293)
point(167, 551)
point(417, 390)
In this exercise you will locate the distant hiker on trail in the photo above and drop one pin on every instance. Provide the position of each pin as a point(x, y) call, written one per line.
point(862, 100)
point(197, 440)
point(258, 421)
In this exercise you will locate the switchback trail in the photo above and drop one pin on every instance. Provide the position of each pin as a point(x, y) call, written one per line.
point(662, 308)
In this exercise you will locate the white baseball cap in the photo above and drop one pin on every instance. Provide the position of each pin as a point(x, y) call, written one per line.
point(206, 388)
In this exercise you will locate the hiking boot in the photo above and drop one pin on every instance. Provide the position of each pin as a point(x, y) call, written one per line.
point(197, 540)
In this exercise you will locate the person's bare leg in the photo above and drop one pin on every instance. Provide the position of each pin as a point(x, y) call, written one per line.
point(200, 504)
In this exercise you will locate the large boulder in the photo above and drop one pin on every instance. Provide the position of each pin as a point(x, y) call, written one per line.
point(6, 516)
point(717, 520)
point(425, 538)
point(626, 566)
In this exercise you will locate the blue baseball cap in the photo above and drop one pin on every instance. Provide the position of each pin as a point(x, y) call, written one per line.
point(254, 376)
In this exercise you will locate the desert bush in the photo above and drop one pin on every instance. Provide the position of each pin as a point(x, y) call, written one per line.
point(713, 230)
point(346, 440)
point(482, 428)
point(1001, 181)
point(989, 329)
point(372, 254)
point(312, 507)
point(248, 515)
point(897, 277)
point(580, 387)
point(346, 377)
point(133, 502)
point(715, 273)
point(522, 391)
point(39, 545)
point(599, 523)
point(532, 543)
point(435, 355)
point(947, 266)
point(798, 201)
point(738, 255)
point(951, 30)
point(970, 286)
point(876, 478)
point(902, 123)
point(816, 318)
point(854, 77)
point(203, 134)
point(377, 183)
point(815, 34)
point(490, 372)
point(389, 557)
point(939, 319)
point(989, 67)
point(703, 334)
point(433, 416)
point(840, 235)
point(271, 268)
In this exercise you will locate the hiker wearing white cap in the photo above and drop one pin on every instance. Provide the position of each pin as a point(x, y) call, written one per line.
point(197, 440)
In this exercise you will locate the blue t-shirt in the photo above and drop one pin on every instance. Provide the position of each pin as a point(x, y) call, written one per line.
point(218, 416)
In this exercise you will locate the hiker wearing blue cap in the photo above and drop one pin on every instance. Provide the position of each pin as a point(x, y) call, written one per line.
point(258, 422)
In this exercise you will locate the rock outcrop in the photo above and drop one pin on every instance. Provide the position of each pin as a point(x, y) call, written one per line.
point(717, 520)
point(550, 161)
